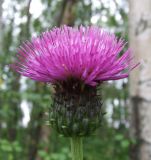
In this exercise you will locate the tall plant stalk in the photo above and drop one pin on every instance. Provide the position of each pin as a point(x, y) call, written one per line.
point(77, 148)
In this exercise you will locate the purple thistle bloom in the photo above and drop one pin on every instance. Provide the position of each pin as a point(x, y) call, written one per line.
point(75, 60)
point(88, 54)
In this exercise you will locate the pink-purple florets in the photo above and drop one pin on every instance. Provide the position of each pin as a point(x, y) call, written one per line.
point(88, 54)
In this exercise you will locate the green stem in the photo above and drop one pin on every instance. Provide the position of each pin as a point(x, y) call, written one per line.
point(77, 148)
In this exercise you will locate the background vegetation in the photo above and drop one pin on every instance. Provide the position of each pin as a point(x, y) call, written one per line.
point(24, 104)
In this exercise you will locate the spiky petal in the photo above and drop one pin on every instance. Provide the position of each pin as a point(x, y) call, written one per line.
point(88, 54)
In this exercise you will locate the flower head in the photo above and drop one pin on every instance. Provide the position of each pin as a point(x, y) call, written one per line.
point(75, 60)
point(88, 54)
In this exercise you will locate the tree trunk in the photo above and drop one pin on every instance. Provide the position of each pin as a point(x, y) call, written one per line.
point(67, 14)
point(34, 131)
point(140, 79)
point(1, 24)
point(1, 2)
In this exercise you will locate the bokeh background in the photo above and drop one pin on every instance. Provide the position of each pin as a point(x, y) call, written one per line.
point(24, 104)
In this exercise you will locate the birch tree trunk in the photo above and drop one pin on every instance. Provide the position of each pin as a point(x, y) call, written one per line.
point(140, 79)
point(1, 2)
point(1, 24)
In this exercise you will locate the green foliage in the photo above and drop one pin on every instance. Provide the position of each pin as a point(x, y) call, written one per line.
point(63, 154)
point(10, 150)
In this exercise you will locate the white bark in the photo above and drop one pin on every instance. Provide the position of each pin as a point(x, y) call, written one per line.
point(140, 79)
point(1, 2)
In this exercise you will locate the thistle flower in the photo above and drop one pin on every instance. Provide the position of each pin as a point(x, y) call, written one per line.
point(76, 61)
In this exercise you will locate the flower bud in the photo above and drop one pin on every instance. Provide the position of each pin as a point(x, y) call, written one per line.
point(76, 111)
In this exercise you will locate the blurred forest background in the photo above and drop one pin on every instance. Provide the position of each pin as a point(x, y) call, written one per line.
point(24, 104)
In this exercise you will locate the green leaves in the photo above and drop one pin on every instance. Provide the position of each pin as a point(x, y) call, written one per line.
point(123, 141)
point(63, 154)
point(9, 150)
